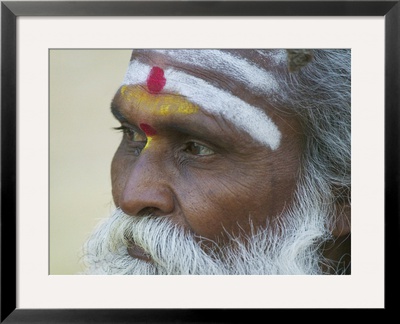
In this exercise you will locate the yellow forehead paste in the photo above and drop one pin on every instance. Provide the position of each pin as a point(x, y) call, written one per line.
point(159, 104)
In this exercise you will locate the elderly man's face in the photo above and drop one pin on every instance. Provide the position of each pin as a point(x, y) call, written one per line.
point(200, 162)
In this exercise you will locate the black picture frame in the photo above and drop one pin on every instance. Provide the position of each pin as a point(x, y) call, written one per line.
point(11, 10)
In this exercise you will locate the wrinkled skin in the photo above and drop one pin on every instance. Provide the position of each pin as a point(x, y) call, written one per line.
point(199, 169)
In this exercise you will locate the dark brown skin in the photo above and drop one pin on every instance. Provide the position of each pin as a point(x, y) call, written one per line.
point(200, 170)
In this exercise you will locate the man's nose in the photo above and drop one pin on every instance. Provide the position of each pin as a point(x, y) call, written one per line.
point(147, 190)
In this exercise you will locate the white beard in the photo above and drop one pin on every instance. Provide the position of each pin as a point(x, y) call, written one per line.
point(294, 251)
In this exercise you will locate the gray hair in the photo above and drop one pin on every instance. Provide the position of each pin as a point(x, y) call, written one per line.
point(317, 86)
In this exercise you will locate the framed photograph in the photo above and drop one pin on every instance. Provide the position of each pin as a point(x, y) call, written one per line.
point(62, 63)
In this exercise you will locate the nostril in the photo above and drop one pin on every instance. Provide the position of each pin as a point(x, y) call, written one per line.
point(148, 211)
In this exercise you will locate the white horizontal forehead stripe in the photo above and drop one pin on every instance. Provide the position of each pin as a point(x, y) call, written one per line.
point(250, 119)
point(238, 68)
point(137, 73)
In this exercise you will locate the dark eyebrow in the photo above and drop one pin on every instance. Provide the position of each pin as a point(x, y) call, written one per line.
point(121, 118)
point(201, 132)
point(197, 131)
point(117, 113)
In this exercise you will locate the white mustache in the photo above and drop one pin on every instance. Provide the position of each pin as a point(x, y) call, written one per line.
point(293, 251)
point(167, 244)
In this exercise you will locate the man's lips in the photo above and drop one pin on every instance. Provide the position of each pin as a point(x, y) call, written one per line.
point(137, 252)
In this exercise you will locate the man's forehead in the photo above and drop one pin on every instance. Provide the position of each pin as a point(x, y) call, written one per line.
point(250, 68)
point(215, 57)
point(181, 72)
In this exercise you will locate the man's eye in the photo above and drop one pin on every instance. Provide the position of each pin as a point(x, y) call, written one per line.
point(132, 135)
point(198, 149)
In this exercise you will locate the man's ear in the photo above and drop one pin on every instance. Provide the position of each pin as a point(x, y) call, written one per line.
point(342, 225)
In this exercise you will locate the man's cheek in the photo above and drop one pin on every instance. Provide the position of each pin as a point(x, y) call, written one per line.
point(208, 208)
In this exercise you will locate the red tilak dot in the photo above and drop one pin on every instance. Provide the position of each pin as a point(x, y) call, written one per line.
point(156, 80)
point(148, 130)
